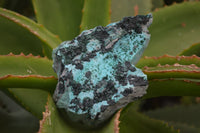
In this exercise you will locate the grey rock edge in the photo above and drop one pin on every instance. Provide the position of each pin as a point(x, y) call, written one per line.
point(96, 72)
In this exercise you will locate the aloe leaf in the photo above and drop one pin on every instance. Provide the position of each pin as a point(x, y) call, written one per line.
point(173, 87)
point(20, 34)
point(157, 4)
point(25, 65)
point(52, 122)
point(95, 13)
point(174, 28)
point(14, 118)
point(173, 80)
point(179, 78)
point(173, 71)
point(24, 71)
point(45, 83)
point(33, 100)
point(124, 8)
point(167, 59)
point(133, 121)
point(18, 122)
point(192, 50)
point(184, 128)
point(27, 71)
point(20, 71)
point(180, 115)
point(61, 17)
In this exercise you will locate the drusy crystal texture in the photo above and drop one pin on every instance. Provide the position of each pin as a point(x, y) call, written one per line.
point(96, 72)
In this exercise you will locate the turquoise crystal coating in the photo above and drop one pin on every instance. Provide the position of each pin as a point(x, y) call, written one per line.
point(96, 72)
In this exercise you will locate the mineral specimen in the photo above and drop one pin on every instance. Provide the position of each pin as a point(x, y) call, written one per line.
point(96, 72)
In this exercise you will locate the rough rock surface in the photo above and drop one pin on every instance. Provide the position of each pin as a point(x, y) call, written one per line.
point(96, 72)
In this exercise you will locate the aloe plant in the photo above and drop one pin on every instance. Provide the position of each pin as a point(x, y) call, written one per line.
point(26, 73)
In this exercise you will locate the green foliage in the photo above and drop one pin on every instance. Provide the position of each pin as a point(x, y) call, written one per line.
point(172, 87)
point(133, 121)
point(124, 8)
point(180, 115)
point(33, 100)
point(14, 118)
point(184, 128)
point(173, 71)
point(170, 60)
point(25, 65)
point(20, 34)
point(174, 29)
point(29, 71)
point(18, 122)
point(95, 13)
point(171, 75)
point(157, 4)
point(30, 80)
point(192, 50)
point(62, 17)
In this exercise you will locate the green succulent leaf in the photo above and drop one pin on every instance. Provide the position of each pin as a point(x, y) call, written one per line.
point(18, 122)
point(174, 28)
point(14, 119)
point(192, 50)
point(171, 75)
point(133, 121)
point(20, 34)
point(124, 8)
point(173, 71)
point(45, 83)
point(184, 128)
point(167, 59)
point(95, 13)
point(181, 116)
point(173, 87)
point(52, 122)
point(25, 65)
point(33, 100)
point(157, 4)
point(20, 71)
point(62, 17)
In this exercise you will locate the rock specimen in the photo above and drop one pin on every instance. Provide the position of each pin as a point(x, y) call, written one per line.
point(96, 72)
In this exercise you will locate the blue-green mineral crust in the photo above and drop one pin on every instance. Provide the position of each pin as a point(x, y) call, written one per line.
point(96, 72)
